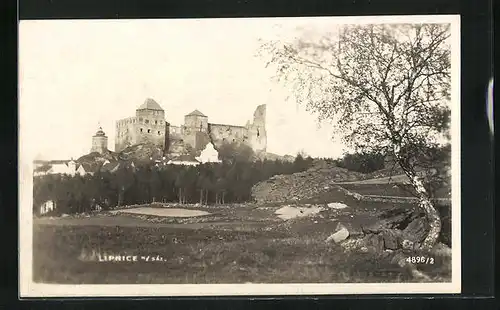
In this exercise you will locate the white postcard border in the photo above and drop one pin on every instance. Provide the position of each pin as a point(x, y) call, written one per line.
point(30, 289)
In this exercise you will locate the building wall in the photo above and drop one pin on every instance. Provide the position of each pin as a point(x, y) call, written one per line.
point(144, 128)
point(125, 133)
point(199, 123)
point(220, 134)
point(196, 132)
point(99, 144)
point(175, 132)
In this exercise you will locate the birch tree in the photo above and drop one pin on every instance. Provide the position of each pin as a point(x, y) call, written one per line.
point(383, 87)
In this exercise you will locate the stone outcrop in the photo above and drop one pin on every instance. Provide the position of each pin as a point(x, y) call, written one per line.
point(302, 185)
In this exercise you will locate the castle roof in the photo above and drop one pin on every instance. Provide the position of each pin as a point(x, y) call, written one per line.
point(150, 104)
point(196, 113)
point(100, 132)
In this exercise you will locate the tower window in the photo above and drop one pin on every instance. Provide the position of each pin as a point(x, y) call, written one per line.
point(156, 122)
point(258, 132)
point(146, 121)
point(141, 129)
point(159, 133)
point(149, 130)
point(140, 119)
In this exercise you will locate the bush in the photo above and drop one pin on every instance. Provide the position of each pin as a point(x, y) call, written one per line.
point(362, 162)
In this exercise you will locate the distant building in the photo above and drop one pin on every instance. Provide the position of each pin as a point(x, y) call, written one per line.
point(64, 167)
point(184, 160)
point(209, 155)
point(47, 207)
point(99, 142)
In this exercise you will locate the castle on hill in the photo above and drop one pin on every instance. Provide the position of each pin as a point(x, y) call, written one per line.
point(149, 125)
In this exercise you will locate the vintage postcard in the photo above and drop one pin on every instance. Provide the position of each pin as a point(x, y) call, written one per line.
point(242, 156)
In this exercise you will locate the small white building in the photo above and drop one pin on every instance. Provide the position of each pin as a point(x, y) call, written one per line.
point(67, 167)
point(209, 155)
point(47, 207)
point(81, 171)
point(61, 168)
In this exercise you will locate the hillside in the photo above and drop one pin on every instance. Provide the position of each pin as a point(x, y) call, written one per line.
point(323, 177)
point(302, 185)
point(94, 161)
point(137, 154)
point(141, 153)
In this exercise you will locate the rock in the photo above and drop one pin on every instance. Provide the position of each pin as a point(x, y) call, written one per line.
point(374, 242)
point(407, 244)
point(354, 230)
point(391, 239)
point(340, 235)
point(337, 205)
point(416, 231)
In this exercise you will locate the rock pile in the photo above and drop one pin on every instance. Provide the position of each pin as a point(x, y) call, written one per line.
point(302, 185)
point(397, 229)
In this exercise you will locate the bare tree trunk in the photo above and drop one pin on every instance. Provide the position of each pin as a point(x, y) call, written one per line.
point(180, 195)
point(223, 197)
point(201, 196)
point(120, 195)
point(206, 197)
point(426, 205)
point(216, 198)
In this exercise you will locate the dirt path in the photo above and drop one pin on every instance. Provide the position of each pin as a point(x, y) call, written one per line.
point(392, 179)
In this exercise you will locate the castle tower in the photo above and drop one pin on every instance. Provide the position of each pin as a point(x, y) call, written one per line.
point(150, 123)
point(196, 120)
point(99, 142)
point(195, 130)
point(147, 126)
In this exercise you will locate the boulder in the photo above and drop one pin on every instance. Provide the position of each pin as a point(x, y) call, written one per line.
point(340, 234)
point(416, 231)
point(392, 239)
point(374, 242)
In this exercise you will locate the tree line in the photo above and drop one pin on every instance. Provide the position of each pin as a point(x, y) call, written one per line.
point(212, 183)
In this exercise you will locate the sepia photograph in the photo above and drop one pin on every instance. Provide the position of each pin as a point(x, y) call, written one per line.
point(239, 156)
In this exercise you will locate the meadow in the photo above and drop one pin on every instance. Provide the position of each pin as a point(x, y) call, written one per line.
point(233, 244)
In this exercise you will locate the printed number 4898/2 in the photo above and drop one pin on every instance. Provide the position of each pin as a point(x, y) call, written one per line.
point(420, 260)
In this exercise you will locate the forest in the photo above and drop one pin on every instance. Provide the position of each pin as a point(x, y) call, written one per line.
point(211, 183)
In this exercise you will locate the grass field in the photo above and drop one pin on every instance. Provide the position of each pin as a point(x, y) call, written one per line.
point(234, 244)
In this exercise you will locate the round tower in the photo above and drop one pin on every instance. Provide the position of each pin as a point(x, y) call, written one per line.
point(99, 142)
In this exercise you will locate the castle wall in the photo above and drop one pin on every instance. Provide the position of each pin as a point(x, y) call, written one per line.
point(143, 129)
point(148, 126)
point(175, 132)
point(125, 133)
point(220, 134)
point(257, 130)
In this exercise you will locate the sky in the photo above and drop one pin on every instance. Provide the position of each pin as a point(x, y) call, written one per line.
point(78, 74)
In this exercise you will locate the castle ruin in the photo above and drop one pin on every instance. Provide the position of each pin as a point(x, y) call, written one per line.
point(150, 126)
